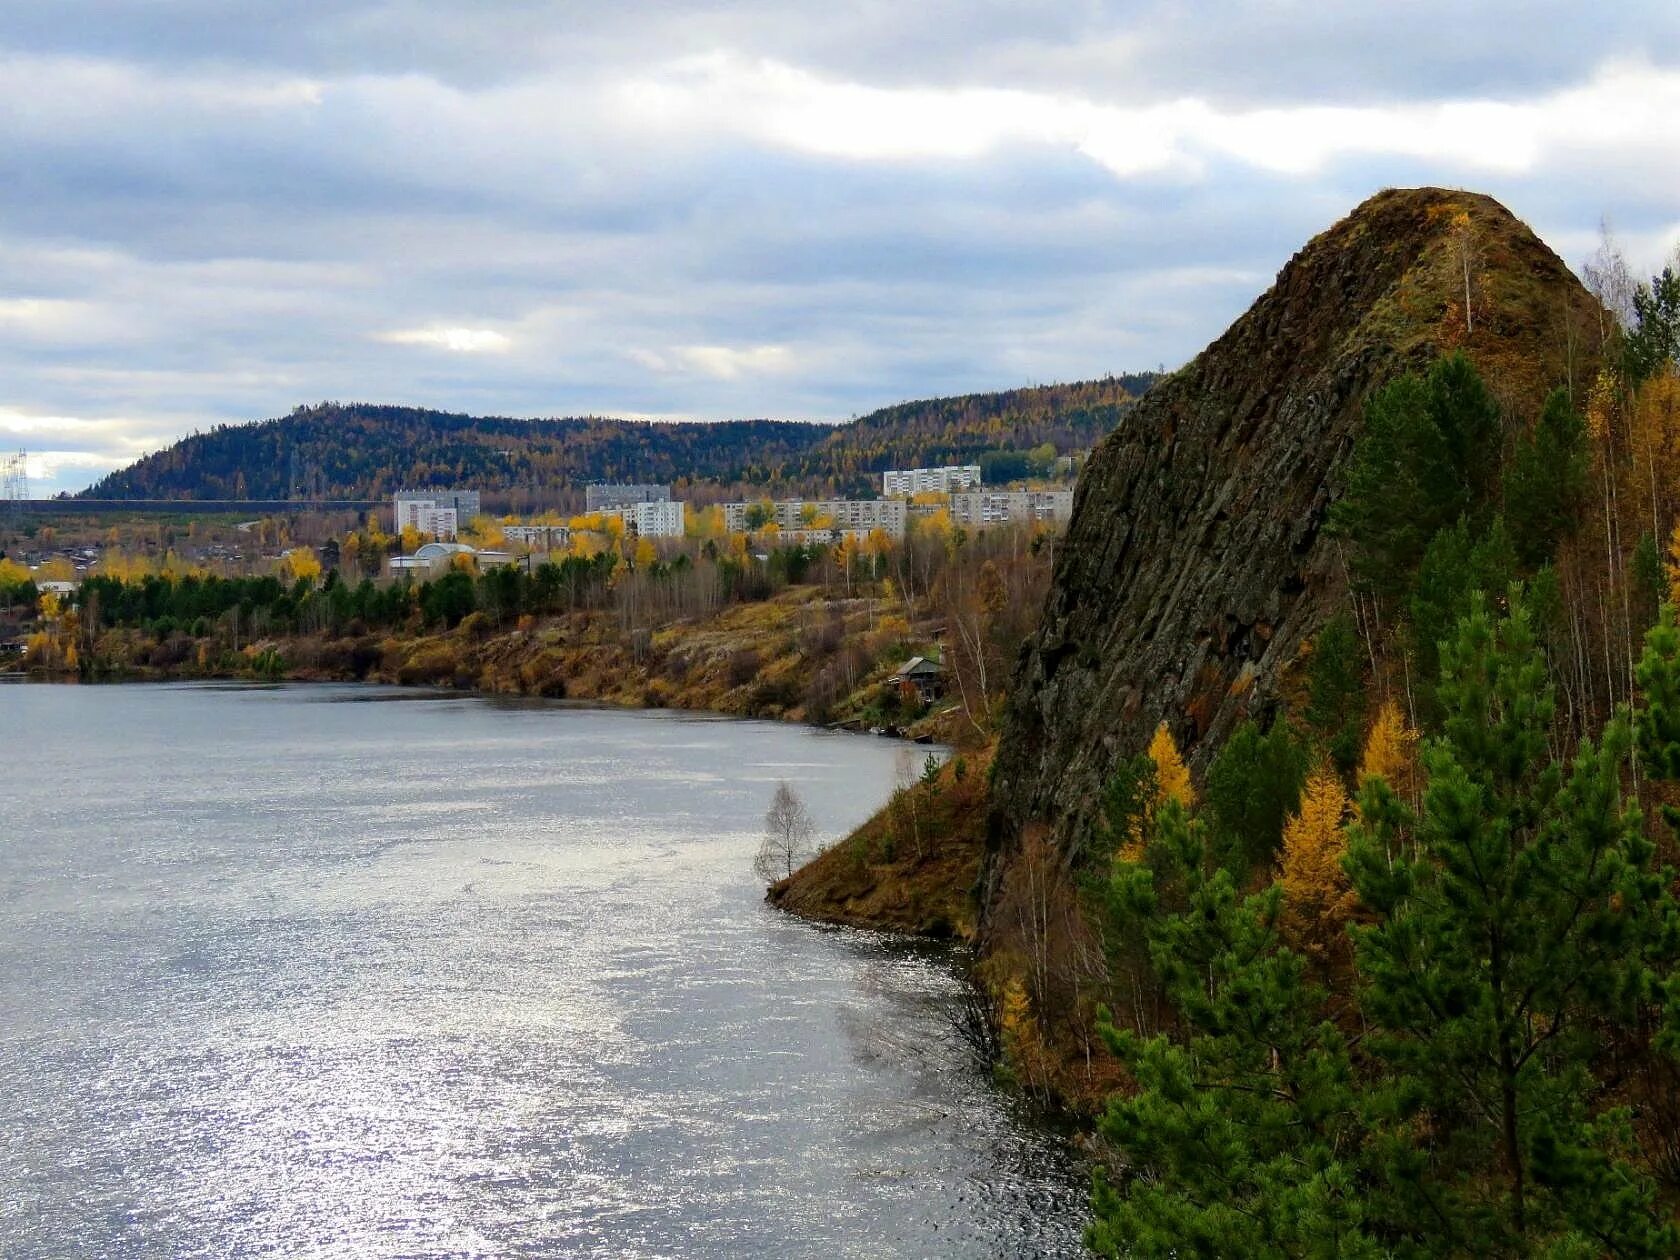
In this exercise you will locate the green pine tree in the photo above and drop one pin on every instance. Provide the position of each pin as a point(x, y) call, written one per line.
point(1429, 455)
point(1252, 787)
point(1336, 689)
point(1512, 922)
point(1234, 1142)
point(1456, 566)
point(1546, 483)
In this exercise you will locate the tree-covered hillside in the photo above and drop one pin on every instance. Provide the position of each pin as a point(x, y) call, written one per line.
point(358, 450)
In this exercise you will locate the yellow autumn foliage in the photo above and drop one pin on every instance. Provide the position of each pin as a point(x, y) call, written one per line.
point(1172, 776)
point(1388, 749)
point(1601, 404)
point(300, 562)
point(1671, 566)
point(1315, 889)
point(1018, 1030)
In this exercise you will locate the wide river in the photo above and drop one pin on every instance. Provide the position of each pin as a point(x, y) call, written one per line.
point(344, 971)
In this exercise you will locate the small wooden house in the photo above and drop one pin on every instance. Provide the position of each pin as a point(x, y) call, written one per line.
point(923, 677)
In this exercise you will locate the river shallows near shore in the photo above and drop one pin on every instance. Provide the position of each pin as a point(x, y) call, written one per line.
point(362, 971)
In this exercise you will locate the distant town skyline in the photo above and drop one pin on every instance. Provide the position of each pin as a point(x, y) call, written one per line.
point(210, 214)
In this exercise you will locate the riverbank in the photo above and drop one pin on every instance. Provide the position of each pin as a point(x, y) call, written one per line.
point(799, 657)
point(912, 867)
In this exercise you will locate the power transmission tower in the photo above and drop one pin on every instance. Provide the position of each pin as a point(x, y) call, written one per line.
point(14, 487)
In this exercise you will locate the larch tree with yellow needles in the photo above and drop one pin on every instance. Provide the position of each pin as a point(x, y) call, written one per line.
point(1315, 889)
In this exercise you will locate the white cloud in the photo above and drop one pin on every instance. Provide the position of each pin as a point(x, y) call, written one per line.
point(65, 452)
point(1624, 104)
point(89, 86)
point(456, 339)
point(727, 363)
point(723, 363)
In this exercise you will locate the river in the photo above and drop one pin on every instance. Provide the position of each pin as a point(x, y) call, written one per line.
point(351, 971)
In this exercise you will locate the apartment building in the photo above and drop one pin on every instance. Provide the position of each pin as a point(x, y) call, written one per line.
point(539, 537)
point(440, 513)
point(654, 518)
point(887, 515)
point(946, 480)
point(976, 509)
point(603, 495)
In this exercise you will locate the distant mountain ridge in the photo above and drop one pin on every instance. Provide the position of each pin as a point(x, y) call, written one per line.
point(361, 450)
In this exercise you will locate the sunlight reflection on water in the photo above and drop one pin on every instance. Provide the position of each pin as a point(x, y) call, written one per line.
point(304, 971)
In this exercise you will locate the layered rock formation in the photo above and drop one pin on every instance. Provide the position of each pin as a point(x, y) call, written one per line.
point(1197, 564)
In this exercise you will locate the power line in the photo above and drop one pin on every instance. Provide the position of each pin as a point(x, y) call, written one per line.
point(14, 487)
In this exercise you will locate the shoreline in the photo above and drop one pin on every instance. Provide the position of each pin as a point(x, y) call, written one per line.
point(62, 679)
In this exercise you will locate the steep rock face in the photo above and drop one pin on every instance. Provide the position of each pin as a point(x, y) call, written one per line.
point(1196, 563)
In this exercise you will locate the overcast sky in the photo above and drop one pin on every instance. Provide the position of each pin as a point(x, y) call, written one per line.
point(211, 212)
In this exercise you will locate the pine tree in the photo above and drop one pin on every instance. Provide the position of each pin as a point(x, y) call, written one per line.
point(1429, 455)
point(1336, 688)
point(1234, 1142)
point(1520, 923)
point(1169, 780)
point(1654, 342)
point(1546, 484)
point(1456, 566)
point(1252, 787)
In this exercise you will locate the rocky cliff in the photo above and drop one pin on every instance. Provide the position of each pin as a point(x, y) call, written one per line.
point(1196, 564)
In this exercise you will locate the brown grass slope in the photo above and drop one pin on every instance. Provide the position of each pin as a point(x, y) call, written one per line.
point(911, 868)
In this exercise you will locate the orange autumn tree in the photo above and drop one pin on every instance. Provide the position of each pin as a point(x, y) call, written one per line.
point(1317, 900)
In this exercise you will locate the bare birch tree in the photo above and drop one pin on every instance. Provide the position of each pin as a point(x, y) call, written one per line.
point(789, 836)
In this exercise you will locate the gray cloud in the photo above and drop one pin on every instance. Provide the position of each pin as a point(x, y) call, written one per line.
point(211, 213)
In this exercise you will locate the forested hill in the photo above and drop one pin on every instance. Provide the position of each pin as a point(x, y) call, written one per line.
point(358, 450)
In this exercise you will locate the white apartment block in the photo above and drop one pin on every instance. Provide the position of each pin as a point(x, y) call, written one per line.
point(979, 508)
point(657, 519)
point(886, 515)
point(440, 513)
point(441, 523)
point(946, 480)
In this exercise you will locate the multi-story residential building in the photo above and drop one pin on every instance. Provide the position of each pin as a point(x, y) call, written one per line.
point(443, 523)
point(657, 518)
point(440, 513)
point(887, 515)
point(820, 537)
point(979, 508)
point(603, 495)
point(539, 537)
point(946, 480)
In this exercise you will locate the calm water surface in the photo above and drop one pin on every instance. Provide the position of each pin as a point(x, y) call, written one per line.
point(348, 971)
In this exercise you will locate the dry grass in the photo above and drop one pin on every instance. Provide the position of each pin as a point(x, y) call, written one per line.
point(913, 867)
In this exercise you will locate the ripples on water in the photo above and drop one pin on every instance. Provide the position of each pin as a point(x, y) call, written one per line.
point(360, 972)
